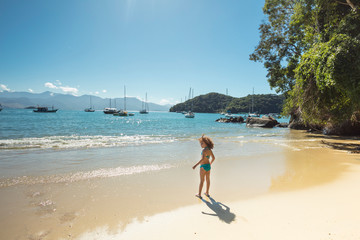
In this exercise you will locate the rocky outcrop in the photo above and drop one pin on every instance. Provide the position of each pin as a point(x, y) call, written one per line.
point(347, 128)
point(297, 123)
point(282, 125)
point(264, 122)
point(231, 120)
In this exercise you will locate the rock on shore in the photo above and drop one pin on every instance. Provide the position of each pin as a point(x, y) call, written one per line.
point(264, 122)
point(231, 120)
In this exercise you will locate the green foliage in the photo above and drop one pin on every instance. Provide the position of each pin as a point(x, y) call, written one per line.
point(209, 103)
point(321, 73)
point(281, 44)
point(328, 81)
point(215, 102)
point(263, 103)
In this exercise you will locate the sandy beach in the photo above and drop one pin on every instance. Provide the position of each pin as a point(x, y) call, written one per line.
point(302, 189)
point(318, 200)
point(329, 211)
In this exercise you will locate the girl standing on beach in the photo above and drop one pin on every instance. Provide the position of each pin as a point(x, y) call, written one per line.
point(205, 164)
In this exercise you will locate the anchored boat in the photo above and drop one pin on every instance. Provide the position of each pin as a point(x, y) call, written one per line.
point(45, 110)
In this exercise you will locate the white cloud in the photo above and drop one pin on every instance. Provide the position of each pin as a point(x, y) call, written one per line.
point(69, 90)
point(96, 92)
point(50, 85)
point(104, 91)
point(30, 90)
point(166, 101)
point(66, 89)
point(4, 87)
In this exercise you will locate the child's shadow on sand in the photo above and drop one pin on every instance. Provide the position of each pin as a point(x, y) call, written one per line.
point(221, 210)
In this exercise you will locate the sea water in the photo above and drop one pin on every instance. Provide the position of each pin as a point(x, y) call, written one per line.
point(72, 146)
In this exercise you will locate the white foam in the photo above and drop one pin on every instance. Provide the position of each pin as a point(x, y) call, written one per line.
point(80, 176)
point(74, 141)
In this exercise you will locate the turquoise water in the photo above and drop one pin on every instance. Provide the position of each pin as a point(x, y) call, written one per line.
point(74, 145)
point(23, 129)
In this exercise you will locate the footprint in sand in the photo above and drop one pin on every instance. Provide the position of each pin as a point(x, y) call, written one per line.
point(68, 217)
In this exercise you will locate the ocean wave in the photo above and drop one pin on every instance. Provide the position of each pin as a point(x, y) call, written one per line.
point(74, 141)
point(80, 176)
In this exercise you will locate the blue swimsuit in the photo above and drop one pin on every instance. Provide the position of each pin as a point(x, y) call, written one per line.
point(206, 167)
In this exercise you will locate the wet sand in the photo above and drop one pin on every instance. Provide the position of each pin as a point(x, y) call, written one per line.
point(270, 195)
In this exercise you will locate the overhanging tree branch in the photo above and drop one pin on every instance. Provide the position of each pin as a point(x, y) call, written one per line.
point(351, 5)
point(348, 3)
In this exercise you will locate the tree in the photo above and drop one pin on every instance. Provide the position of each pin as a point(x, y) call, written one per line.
point(281, 41)
point(311, 49)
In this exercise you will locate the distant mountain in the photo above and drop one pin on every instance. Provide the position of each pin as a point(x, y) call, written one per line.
point(216, 102)
point(70, 102)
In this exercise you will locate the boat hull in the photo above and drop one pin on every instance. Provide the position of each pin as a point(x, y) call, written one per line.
point(45, 110)
point(48, 111)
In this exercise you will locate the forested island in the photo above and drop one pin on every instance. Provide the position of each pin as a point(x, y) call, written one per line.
point(216, 103)
point(311, 50)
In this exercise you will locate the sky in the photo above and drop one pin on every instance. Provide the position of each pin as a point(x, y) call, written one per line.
point(159, 47)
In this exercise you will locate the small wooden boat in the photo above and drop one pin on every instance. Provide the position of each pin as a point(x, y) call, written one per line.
point(45, 110)
point(110, 110)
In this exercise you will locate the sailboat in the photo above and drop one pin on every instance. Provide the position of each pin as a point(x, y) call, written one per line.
point(190, 114)
point(145, 106)
point(124, 113)
point(130, 114)
point(253, 114)
point(90, 109)
point(110, 110)
point(0, 108)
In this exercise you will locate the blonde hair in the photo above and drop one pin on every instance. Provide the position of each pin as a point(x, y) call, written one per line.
point(209, 143)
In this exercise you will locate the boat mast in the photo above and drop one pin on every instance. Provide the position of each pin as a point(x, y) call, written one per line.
point(189, 98)
point(146, 104)
point(124, 98)
point(252, 102)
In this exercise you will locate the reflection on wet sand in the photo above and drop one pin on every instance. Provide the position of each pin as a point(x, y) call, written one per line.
point(312, 165)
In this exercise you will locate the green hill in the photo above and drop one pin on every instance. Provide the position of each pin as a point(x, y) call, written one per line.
point(216, 102)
